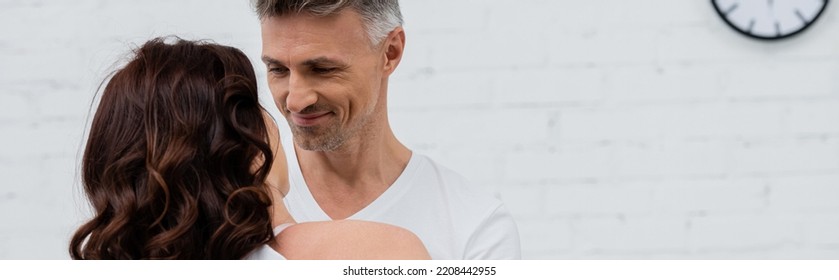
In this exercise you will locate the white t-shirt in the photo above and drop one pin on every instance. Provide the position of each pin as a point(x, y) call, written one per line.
point(453, 219)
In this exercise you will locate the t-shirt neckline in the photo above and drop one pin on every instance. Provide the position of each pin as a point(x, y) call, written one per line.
point(391, 194)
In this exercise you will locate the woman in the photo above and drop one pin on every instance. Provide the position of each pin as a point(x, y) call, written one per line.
point(180, 164)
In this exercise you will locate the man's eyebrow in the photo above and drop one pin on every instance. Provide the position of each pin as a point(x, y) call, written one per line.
point(268, 61)
point(323, 61)
point(319, 61)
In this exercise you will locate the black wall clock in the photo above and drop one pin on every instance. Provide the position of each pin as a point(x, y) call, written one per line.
point(770, 19)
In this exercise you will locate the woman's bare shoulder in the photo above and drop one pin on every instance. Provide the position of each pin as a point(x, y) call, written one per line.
point(350, 239)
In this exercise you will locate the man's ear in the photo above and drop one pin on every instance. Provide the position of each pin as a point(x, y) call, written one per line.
point(394, 47)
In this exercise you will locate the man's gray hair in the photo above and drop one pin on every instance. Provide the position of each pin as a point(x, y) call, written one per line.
point(380, 17)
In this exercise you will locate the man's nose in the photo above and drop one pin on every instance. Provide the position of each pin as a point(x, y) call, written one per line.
point(300, 94)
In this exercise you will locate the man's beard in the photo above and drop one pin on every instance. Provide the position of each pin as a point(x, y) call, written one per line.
point(319, 138)
point(332, 135)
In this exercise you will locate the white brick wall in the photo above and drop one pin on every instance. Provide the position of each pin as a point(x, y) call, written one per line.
point(612, 129)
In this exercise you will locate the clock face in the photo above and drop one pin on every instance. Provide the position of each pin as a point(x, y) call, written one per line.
point(769, 19)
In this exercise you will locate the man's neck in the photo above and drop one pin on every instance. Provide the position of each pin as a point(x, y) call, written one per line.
point(346, 180)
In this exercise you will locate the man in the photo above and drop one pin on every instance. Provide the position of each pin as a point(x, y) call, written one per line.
point(328, 65)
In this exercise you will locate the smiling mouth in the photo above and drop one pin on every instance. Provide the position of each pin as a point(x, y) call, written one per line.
point(309, 119)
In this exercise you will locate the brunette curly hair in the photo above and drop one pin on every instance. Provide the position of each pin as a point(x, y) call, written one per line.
point(176, 158)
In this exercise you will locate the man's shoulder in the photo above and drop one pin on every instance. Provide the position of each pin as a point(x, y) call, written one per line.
point(443, 173)
point(479, 217)
point(455, 186)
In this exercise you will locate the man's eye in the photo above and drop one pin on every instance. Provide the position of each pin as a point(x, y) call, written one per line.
point(278, 70)
point(324, 70)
